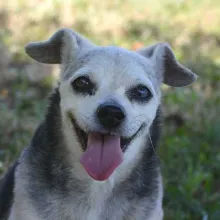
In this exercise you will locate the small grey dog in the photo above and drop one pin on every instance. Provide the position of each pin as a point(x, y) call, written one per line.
point(92, 157)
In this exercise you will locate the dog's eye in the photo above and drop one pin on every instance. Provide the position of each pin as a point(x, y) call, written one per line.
point(83, 85)
point(139, 93)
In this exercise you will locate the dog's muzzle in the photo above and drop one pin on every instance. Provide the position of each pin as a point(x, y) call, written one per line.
point(103, 151)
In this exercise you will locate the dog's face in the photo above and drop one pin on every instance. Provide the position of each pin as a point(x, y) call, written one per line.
point(112, 92)
point(109, 96)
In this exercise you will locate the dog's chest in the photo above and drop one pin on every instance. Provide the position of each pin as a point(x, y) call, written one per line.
point(93, 204)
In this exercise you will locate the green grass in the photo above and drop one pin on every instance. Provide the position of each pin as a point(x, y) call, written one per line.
point(189, 149)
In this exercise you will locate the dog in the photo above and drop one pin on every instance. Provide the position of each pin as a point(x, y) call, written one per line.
point(93, 156)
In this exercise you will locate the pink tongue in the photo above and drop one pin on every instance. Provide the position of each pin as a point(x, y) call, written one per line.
point(102, 156)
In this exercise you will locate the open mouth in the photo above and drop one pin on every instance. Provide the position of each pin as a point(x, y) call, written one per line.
point(83, 136)
point(103, 152)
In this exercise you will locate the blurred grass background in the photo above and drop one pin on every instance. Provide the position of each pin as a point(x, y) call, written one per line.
point(190, 146)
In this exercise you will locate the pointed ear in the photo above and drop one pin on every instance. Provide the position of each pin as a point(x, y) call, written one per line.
point(62, 47)
point(166, 65)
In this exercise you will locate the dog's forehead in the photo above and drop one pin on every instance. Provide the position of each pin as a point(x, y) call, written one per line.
point(115, 64)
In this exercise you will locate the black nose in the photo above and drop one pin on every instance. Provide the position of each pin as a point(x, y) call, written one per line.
point(110, 115)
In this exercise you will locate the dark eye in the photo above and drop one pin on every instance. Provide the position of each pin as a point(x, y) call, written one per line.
point(140, 93)
point(83, 85)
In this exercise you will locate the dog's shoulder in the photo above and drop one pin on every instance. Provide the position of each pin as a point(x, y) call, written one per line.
point(6, 190)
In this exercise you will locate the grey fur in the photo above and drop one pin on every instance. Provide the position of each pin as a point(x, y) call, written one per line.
point(50, 182)
point(47, 188)
point(50, 51)
point(173, 73)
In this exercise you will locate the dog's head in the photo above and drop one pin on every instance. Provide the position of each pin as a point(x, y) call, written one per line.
point(109, 95)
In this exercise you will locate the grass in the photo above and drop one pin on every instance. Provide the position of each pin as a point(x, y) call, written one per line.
point(190, 146)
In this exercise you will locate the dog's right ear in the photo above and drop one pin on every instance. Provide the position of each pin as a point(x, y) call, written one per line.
point(61, 48)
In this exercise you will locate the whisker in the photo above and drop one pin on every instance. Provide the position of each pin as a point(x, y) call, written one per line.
point(152, 145)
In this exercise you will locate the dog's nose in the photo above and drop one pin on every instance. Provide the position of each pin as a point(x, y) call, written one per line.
point(110, 115)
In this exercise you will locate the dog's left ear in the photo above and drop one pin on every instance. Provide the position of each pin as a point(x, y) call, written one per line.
point(166, 65)
point(64, 46)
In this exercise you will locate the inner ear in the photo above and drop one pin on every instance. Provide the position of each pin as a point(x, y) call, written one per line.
point(166, 65)
point(64, 45)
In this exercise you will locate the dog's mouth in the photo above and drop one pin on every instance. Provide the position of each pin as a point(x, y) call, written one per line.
point(103, 151)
